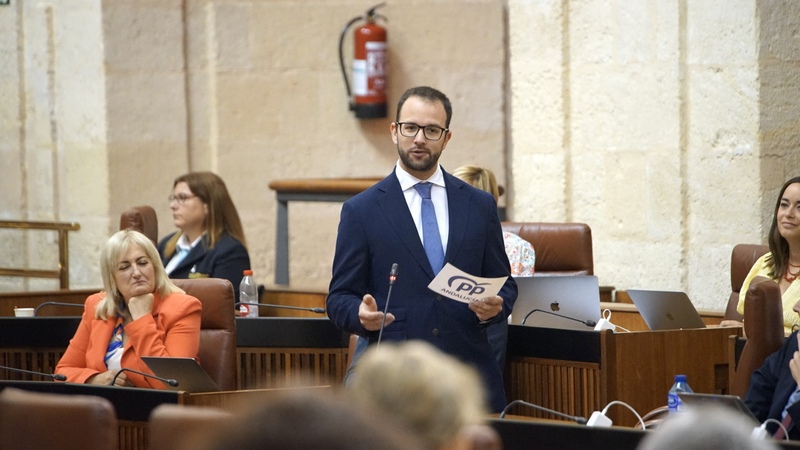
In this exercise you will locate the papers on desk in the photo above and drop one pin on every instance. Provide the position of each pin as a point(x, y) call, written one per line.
point(458, 285)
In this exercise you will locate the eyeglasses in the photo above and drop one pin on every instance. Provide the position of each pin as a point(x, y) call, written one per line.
point(180, 198)
point(431, 132)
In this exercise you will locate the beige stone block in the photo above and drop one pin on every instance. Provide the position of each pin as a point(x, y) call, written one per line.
point(534, 32)
point(637, 264)
point(637, 107)
point(143, 36)
point(146, 107)
point(780, 20)
point(537, 181)
point(84, 179)
point(721, 32)
point(723, 109)
point(537, 108)
point(645, 32)
point(592, 28)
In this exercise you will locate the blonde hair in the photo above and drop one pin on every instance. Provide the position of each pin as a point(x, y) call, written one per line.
point(433, 393)
point(480, 178)
point(116, 247)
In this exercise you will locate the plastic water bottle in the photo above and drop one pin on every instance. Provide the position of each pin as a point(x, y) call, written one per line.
point(248, 293)
point(673, 401)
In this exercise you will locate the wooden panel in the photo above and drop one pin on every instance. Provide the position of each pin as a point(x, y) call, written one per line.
point(9, 300)
point(644, 365)
point(566, 386)
point(132, 435)
point(34, 359)
point(258, 367)
point(288, 296)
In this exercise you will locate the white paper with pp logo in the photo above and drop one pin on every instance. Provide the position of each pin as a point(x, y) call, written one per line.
point(458, 285)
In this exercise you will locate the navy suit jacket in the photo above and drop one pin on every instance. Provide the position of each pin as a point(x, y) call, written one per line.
point(376, 230)
point(772, 385)
point(227, 260)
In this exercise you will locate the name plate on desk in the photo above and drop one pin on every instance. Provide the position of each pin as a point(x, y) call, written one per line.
point(554, 343)
point(296, 332)
point(18, 332)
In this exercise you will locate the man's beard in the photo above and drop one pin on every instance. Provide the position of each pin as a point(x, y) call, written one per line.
point(420, 165)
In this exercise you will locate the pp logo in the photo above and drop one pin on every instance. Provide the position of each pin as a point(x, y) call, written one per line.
point(466, 285)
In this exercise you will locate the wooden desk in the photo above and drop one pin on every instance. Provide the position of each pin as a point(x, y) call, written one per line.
point(271, 351)
point(307, 190)
point(579, 372)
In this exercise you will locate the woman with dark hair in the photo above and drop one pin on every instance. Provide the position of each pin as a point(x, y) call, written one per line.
point(782, 264)
point(210, 239)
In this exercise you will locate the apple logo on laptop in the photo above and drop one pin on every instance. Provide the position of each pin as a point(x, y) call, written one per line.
point(669, 316)
point(554, 306)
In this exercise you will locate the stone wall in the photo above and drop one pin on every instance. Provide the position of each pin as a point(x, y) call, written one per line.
point(666, 126)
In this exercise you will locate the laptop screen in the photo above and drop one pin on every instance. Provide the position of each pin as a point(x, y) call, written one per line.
point(666, 310)
point(566, 302)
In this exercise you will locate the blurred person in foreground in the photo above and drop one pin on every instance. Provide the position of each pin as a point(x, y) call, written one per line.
point(437, 397)
point(705, 428)
point(210, 240)
point(311, 420)
point(139, 313)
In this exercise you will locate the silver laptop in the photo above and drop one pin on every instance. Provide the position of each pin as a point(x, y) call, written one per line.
point(666, 310)
point(733, 402)
point(567, 302)
point(186, 371)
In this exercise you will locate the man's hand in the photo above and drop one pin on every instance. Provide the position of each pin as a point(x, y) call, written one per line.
point(369, 315)
point(487, 308)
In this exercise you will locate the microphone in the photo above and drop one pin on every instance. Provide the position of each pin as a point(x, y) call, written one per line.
point(36, 311)
point(588, 323)
point(170, 381)
point(300, 308)
point(392, 278)
point(54, 376)
point(578, 419)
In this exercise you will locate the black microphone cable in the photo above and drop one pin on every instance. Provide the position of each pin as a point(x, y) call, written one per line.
point(170, 381)
point(588, 323)
point(580, 420)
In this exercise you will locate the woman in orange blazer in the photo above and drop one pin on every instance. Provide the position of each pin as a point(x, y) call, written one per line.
point(139, 313)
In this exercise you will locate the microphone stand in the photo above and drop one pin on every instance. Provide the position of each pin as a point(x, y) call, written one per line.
point(54, 376)
point(299, 308)
point(580, 420)
point(392, 278)
point(36, 311)
point(170, 381)
point(588, 323)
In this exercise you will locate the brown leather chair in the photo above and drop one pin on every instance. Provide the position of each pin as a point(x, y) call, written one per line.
point(561, 248)
point(140, 218)
point(35, 420)
point(743, 256)
point(217, 328)
point(763, 326)
point(177, 427)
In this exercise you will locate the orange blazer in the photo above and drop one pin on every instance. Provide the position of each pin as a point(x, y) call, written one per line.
point(173, 329)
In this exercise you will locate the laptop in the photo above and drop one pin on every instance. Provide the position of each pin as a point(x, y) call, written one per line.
point(566, 302)
point(691, 400)
point(187, 371)
point(666, 310)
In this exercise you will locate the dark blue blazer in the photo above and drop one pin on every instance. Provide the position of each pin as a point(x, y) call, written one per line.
point(376, 230)
point(772, 385)
point(227, 260)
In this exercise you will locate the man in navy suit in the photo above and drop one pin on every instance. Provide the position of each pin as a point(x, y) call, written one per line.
point(774, 387)
point(383, 226)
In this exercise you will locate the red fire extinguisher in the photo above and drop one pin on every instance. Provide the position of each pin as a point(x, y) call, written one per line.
point(370, 66)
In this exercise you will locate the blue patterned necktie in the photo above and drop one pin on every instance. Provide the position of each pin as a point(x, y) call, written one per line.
point(430, 228)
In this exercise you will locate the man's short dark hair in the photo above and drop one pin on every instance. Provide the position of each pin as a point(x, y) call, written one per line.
point(430, 94)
